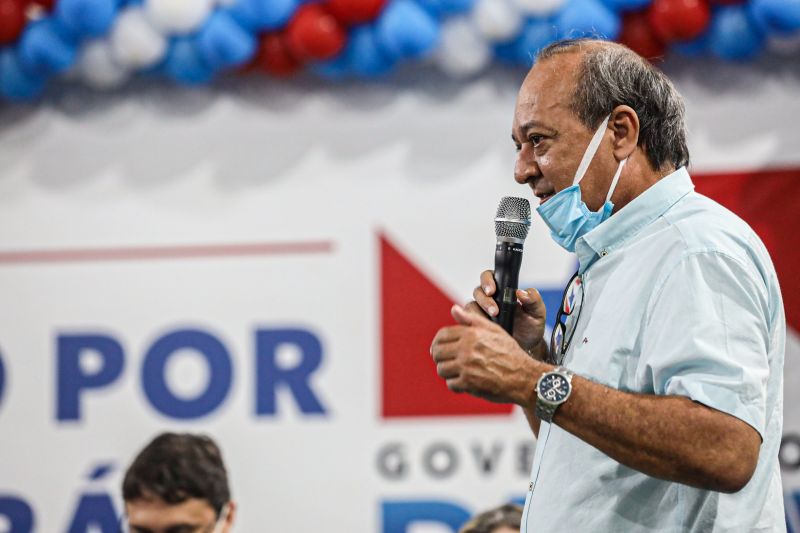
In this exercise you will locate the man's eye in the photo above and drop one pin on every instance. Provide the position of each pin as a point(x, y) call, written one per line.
point(517, 147)
point(535, 139)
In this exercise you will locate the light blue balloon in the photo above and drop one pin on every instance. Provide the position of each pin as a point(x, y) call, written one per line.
point(781, 17)
point(184, 63)
point(444, 8)
point(364, 55)
point(15, 83)
point(86, 18)
point(405, 30)
point(257, 15)
point(222, 43)
point(733, 35)
point(44, 51)
point(587, 18)
point(535, 35)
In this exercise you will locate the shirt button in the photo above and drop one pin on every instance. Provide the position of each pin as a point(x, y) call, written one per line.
point(604, 253)
point(530, 486)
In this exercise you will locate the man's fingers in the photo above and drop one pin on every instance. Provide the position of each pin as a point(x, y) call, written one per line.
point(456, 385)
point(448, 369)
point(473, 307)
point(486, 303)
point(447, 334)
point(462, 316)
point(531, 301)
point(488, 285)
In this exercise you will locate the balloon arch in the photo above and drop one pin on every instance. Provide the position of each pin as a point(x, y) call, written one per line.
point(106, 42)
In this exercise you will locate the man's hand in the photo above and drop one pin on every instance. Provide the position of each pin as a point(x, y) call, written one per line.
point(529, 317)
point(478, 357)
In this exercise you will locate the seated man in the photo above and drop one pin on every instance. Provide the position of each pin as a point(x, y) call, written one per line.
point(178, 484)
point(503, 519)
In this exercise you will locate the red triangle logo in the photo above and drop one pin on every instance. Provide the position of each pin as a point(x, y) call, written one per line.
point(768, 200)
point(413, 309)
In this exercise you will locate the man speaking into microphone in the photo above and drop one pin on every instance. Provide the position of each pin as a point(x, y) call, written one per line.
point(657, 401)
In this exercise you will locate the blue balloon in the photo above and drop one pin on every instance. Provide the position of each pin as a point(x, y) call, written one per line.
point(587, 18)
point(733, 35)
point(184, 63)
point(405, 30)
point(44, 50)
point(89, 18)
point(223, 43)
point(335, 69)
point(364, 55)
point(626, 5)
point(257, 15)
point(506, 52)
point(535, 35)
point(15, 83)
point(780, 17)
point(443, 8)
point(694, 48)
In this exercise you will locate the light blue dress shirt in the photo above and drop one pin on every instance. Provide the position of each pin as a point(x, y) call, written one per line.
point(680, 298)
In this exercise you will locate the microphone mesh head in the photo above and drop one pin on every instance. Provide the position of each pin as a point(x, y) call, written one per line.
point(513, 218)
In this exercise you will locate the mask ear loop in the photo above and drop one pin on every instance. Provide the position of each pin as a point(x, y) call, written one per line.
point(590, 151)
point(223, 516)
point(616, 179)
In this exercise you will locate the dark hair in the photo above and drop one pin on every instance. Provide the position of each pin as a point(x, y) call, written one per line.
point(610, 75)
point(508, 515)
point(177, 467)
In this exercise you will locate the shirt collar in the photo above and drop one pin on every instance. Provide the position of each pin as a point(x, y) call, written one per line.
point(637, 214)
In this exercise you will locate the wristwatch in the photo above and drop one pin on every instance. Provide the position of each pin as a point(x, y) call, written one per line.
point(552, 389)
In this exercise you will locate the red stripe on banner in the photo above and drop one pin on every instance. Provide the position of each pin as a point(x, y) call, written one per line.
point(148, 253)
point(768, 200)
point(413, 309)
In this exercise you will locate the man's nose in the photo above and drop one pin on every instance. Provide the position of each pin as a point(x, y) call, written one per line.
point(525, 168)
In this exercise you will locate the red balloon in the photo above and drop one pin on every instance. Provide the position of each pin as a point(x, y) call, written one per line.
point(678, 20)
point(637, 34)
point(314, 33)
point(12, 20)
point(355, 11)
point(274, 56)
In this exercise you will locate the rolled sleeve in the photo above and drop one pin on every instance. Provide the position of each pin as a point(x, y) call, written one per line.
point(707, 336)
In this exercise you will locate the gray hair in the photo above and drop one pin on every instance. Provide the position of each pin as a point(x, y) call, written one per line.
point(611, 75)
point(508, 515)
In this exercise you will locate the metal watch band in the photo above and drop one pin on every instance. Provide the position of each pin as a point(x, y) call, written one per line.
point(546, 410)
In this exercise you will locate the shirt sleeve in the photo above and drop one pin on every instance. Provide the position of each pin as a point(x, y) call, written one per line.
point(706, 336)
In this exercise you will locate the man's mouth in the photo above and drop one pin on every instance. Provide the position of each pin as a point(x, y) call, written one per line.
point(543, 196)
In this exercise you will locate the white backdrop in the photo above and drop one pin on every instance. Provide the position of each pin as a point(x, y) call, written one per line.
point(212, 215)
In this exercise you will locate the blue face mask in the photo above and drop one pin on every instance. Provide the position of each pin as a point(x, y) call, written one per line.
point(566, 214)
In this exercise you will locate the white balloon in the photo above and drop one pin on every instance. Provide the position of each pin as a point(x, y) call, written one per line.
point(135, 43)
point(98, 68)
point(462, 51)
point(497, 20)
point(785, 44)
point(538, 7)
point(178, 16)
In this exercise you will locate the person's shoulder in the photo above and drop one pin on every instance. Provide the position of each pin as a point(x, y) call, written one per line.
point(706, 226)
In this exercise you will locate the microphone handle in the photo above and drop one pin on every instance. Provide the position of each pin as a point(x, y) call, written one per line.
point(507, 261)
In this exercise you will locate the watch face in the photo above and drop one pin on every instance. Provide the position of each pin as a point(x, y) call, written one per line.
point(554, 388)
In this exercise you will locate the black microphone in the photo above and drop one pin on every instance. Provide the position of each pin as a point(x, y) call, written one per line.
point(511, 226)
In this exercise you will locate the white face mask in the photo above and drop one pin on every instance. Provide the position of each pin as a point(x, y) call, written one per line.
point(566, 214)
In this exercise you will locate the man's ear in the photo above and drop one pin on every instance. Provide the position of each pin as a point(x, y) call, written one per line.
point(625, 123)
point(231, 518)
